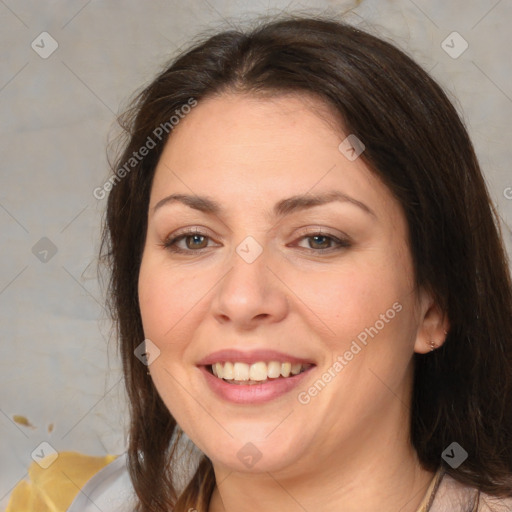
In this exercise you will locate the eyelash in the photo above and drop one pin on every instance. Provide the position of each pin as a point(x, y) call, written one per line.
point(170, 244)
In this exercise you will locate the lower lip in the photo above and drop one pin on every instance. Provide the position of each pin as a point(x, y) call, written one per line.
point(252, 393)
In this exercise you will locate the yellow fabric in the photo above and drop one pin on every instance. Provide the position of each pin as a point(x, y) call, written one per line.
point(53, 489)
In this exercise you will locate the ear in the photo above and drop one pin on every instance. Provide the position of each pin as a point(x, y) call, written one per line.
point(433, 325)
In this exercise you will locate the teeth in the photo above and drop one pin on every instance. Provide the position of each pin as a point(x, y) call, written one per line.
point(228, 371)
point(274, 369)
point(296, 368)
point(218, 370)
point(241, 371)
point(256, 372)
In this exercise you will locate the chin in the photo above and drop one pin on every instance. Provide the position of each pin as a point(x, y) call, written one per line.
point(253, 450)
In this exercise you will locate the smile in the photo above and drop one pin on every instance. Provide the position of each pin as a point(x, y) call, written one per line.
point(253, 377)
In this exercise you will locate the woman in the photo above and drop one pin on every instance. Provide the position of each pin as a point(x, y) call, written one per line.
point(308, 281)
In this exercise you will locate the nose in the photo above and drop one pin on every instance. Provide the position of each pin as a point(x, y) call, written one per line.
point(250, 294)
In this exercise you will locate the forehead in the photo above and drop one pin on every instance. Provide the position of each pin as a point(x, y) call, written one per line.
point(260, 150)
point(239, 118)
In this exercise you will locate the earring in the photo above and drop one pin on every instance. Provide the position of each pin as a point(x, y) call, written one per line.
point(433, 345)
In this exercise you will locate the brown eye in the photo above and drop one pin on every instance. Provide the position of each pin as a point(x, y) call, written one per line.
point(195, 241)
point(322, 242)
point(188, 242)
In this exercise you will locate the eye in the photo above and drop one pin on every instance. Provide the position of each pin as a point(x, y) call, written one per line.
point(194, 240)
point(187, 241)
point(323, 242)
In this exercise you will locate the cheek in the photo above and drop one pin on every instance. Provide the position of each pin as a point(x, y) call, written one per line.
point(378, 323)
point(350, 299)
point(166, 297)
point(370, 316)
point(168, 300)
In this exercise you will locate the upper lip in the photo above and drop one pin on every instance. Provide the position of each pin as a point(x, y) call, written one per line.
point(250, 357)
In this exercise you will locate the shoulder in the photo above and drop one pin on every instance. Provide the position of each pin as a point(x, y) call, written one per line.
point(454, 496)
point(53, 485)
point(488, 503)
point(109, 490)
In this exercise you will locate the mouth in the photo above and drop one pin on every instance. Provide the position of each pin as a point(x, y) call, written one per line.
point(244, 374)
point(253, 377)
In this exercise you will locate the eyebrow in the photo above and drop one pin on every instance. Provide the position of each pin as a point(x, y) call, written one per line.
point(281, 208)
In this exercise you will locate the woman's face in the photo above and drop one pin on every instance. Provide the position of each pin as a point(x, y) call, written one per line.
point(280, 253)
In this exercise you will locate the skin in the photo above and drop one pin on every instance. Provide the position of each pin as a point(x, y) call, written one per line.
point(347, 449)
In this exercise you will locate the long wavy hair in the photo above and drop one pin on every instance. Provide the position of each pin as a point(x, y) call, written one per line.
point(417, 144)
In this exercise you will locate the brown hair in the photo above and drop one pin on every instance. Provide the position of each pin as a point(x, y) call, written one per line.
point(416, 143)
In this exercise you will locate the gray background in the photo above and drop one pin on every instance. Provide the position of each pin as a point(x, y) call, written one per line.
point(55, 117)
